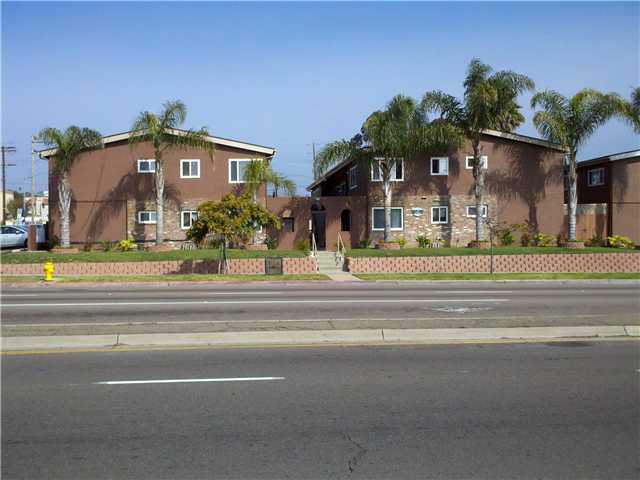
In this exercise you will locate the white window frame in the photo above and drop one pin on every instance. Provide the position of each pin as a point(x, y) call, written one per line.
point(189, 161)
point(446, 207)
point(231, 160)
point(393, 179)
point(352, 177)
point(396, 229)
point(187, 210)
point(148, 222)
point(590, 183)
point(485, 211)
point(484, 158)
point(440, 163)
point(148, 160)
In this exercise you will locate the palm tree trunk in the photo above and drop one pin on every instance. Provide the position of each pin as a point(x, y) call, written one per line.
point(254, 236)
point(478, 189)
point(386, 190)
point(159, 178)
point(64, 197)
point(573, 196)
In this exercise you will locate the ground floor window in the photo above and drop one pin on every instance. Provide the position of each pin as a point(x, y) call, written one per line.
point(440, 214)
point(287, 224)
point(187, 217)
point(471, 210)
point(146, 216)
point(397, 218)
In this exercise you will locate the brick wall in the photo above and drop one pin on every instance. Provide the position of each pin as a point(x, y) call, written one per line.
point(551, 263)
point(245, 266)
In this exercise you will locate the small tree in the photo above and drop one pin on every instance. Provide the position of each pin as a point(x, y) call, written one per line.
point(490, 102)
point(161, 130)
point(234, 218)
point(68, 144)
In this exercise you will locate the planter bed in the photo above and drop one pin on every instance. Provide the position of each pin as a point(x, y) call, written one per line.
point(463, 251)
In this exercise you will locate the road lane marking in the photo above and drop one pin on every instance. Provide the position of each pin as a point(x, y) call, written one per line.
point(244, 293)
point(7, 295)
point(189, 380)
point(261, 302)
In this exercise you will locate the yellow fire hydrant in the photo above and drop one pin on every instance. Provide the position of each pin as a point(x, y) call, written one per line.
point(48, 271)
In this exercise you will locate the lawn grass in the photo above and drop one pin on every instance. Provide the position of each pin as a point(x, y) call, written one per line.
point(163, 278)
point(141, 256)
point(498, 276)
point(453, 251)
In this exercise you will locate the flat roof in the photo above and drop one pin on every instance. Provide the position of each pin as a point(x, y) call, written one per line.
point(118, 137)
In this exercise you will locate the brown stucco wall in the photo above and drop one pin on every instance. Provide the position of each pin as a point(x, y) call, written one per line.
point(107, 190)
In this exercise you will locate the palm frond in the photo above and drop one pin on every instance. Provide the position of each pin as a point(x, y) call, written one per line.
point(333, 154)
point(173, 115)
point(189, 139)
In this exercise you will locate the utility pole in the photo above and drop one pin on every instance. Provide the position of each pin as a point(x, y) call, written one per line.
point(313, 146)
point(33, 179)
point(5, 149)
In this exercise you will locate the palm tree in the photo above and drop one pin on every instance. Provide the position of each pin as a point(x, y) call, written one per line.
point(489, 103)
point(387, 137)
point(68, 145)
point(280, 183)
point(631, 110)
point(162, 131)
point(570, 122)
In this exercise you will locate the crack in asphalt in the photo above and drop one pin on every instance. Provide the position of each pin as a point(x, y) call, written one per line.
point(353, 461)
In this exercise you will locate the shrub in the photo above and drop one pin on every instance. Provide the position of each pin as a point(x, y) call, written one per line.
point(271, 243)
point(87, 247)
point(366, 243)
point(423, 241)
point(618, 241)
point(505, 235)
point(126, 245)
point(54, 241)
point(402, 241)
point(107, 245)
point(303, 245)
point(527, 232)
point(595, 241)
point(544, 240)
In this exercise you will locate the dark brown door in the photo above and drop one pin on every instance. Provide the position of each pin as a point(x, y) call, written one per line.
point(318, 229)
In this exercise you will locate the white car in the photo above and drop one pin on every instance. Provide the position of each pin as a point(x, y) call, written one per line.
point(11, 236)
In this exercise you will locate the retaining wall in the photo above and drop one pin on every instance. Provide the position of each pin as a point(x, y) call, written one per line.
point(535, 263)
point(246, 266)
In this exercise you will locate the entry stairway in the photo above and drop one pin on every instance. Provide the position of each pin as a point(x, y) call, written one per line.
point(328, 263)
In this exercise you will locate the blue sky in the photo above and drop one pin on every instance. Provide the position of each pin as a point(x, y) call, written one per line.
point(290, 74)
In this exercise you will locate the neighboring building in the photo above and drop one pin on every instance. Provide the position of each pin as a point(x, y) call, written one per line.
point(433, 196)
point(8, 197)
point(112, 187)
point(614, 180)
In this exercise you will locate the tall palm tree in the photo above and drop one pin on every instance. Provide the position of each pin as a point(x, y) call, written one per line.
point(387, 137)
point(162, 131)
point(489, 103)
point(68, 144)
point(631, 110)
point(570, 122)
point(280, 183)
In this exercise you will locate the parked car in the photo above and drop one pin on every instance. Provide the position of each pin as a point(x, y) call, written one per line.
point(41, 233)
point(11, 236)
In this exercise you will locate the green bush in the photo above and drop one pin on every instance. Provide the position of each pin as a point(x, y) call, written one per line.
point(402, 241)
point(595, 241)
point(366, 243)
point(107, 245)
point(505, 235)
point(423, 241)
point(271, 243)
point(303, 245)
point(618, 241)
point(544, 240)
point(126, 245)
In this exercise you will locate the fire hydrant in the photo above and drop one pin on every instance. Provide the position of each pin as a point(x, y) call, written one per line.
point(48, 271)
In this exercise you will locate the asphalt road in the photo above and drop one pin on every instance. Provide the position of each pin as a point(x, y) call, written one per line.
point(321, 305)
point(468, 411)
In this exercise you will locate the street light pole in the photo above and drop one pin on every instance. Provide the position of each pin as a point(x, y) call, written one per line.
point(33, 179)
point(4, 181)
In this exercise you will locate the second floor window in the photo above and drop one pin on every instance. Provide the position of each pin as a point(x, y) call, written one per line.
point(146, 165)
point(352, 177)
point(595, 177)
point(440, 166)
point(146, 216)
point(471, 210)
point(395, 175)
point(189, 168)
point(236, 170)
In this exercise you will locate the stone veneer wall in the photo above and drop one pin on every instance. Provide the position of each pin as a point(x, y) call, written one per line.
point(242, 266)
point(537, 263)
point(457, 233)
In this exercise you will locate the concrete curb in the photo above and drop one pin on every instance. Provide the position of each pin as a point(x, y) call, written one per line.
point(315, 337)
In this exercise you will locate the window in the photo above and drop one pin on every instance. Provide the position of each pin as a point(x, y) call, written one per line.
point(595, 177)
point(189, 168)
point(396, 174)
point(352, 177)
point(287, 224)
point(146, 216)
point(146, 165)
point(345, 221)
point(440, 214)
point(236, 169)
point(187, 217)
point(397, 218)
point(469, 160)
point(471, 210)
point(440, 166)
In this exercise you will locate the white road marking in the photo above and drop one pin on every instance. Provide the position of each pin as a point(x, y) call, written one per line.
point(190, 380)
point(245, 302)
point(7, 295)
point(244, 293)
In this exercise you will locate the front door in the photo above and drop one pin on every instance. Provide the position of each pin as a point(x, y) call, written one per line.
point(318, 229)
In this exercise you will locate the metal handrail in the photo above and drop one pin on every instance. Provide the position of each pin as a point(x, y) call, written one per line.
point(314, 246)
point(341, 252)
